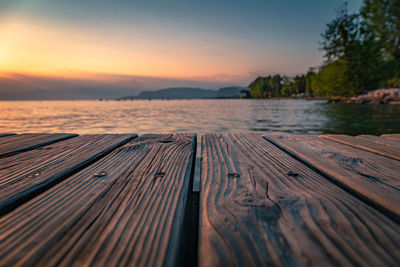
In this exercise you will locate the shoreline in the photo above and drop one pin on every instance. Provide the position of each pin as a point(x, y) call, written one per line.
point(379, 96)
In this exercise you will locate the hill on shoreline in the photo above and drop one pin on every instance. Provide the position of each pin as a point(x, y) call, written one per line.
point(188, 93)
point(81, 86)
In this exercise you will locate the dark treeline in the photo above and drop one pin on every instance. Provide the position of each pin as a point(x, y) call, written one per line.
point(277, 85)
point(362, 53)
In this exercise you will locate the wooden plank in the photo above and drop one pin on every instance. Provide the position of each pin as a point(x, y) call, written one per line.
point(24, 175)
point(371, 177)
point(6, 134)
point(261, 207)
point(375, 144)
point(13, 144)
point(125, 209)
point(394, 143)
point(391, 136)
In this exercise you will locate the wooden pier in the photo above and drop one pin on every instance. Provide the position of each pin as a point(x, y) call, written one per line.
point(263, 200)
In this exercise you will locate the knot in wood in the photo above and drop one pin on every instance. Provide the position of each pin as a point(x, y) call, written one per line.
point(233, 175)
point(100, 174)
point(293, 174)
point(159, 174)
point(34, 174)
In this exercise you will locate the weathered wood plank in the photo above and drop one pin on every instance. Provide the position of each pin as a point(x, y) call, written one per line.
point(391, 136)
point(25, 174)
point(375, 144)
point(371, 177)
point(125, 209)
point(23, 142)
point(259, 207)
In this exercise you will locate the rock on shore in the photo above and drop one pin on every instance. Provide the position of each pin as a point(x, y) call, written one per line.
point(380, 96)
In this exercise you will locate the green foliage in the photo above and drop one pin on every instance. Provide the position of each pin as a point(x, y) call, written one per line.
point(309, 78)
point(263, 87)
point(277, 85)
point(300, 84)
point(258, 88)
point(395, 82)
point(330, 80)
point(352, 44)
point(288, 87)
point(382, 18)
point(341, 38)
point(293, 85)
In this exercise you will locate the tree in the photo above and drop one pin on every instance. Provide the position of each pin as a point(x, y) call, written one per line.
point(258, 88)
point(300, 84)
point(330, 80)
point(288, 87)
point(263, 87)
point(342, 35)
point(309, 77)
point(275, 85)
point(382, 18)
point(349, 42)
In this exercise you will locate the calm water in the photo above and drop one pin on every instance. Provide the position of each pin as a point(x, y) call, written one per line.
point(158, 116)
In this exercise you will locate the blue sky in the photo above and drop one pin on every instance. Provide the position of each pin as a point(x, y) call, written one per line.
point(215, 40)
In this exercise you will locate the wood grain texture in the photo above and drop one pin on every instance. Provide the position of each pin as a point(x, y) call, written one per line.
point(369, 176)
point(391, 136)
point(13, 144)
point(261, 207)
point(375, 144)
point(126, 209)
point(25, 174)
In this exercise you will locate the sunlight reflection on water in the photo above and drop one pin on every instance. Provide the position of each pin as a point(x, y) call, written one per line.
point(161, 116)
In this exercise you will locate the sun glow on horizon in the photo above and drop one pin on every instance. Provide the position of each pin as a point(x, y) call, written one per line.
point(35, 48)
point(216, 40)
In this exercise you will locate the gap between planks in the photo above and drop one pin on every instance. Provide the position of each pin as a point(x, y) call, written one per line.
point(7, 134)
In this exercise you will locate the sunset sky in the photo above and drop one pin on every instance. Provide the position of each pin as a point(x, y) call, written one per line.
point(218, 41)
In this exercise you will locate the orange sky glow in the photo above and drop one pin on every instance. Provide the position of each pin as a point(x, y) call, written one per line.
point(220, 41)
point(48, 50)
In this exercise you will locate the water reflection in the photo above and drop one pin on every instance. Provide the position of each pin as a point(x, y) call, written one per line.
point(158, 116)
point(356, 119)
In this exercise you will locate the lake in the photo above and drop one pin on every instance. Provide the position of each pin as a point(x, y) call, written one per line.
point(200, 116)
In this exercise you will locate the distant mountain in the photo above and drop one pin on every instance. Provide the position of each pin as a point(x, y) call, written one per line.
point(189, 93)
point(230, 92)
point(73, 85)
point(176, 93)
point(26, 87)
